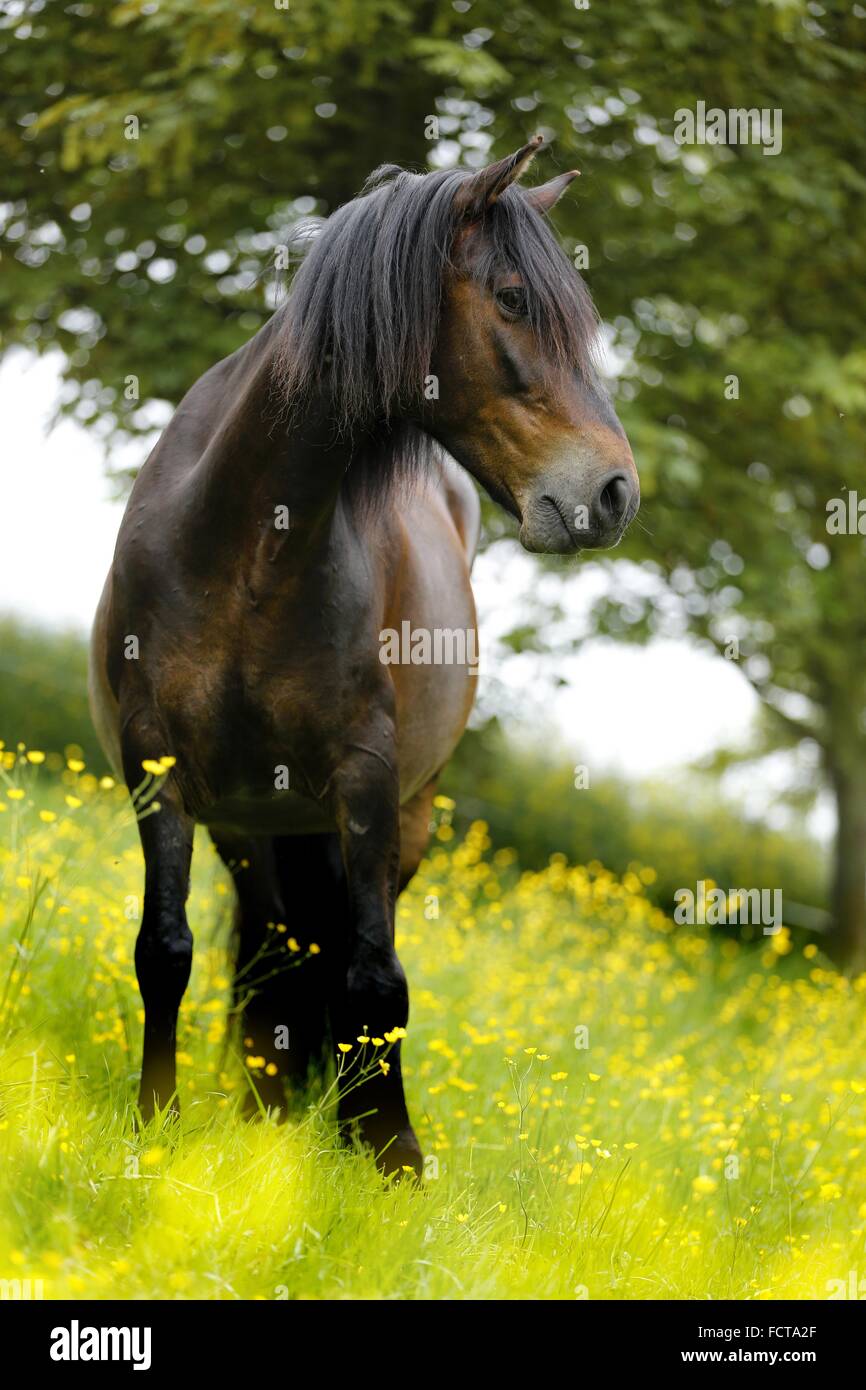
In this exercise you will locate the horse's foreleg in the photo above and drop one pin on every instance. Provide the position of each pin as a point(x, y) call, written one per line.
point(415, 831)
point(163, 951)
point(372, 999)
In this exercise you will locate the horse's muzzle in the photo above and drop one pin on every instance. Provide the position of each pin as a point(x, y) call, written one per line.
point(556, 524)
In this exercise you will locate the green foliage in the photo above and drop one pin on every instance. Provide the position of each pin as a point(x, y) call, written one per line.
point(241, 111)
point(683, 829)
point(43, 692)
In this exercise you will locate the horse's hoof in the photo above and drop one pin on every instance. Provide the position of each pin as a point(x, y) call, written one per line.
point(276, 1112)
point(149, 1107)
point(265, 1100)
point(397, 1154)
point(402, 1158)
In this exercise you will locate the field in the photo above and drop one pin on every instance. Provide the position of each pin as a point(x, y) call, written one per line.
point(613, 1108)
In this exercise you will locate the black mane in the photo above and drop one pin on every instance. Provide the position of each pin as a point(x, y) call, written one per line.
point(363, 311)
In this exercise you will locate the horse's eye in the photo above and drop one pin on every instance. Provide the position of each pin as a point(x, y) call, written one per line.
point(512, 301)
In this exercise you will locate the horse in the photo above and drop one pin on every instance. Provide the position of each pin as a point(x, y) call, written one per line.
point(311, 492)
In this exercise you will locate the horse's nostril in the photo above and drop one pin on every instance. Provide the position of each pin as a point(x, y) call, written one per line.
point(613, 500)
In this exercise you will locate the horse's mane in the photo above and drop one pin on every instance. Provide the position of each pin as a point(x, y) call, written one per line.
point(362, 315)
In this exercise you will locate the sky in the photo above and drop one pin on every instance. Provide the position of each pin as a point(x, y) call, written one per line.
point(642, 711)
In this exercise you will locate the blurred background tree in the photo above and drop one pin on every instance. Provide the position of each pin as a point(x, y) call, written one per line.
point(156, 156)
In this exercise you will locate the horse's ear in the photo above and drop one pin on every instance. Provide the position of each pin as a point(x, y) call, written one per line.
point(482, 189)
point(546, 195)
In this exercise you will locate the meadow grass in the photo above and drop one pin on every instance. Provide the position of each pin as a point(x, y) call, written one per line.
point(612, 1107)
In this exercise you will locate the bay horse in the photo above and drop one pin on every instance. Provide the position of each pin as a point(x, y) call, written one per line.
point(309, 493)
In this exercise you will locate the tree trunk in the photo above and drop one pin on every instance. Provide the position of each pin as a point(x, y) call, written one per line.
point(847, 942)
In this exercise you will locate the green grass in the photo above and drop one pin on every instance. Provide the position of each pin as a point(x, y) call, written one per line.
point(708, 1142)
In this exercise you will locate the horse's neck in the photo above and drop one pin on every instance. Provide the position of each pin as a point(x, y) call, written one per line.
point(263, 478)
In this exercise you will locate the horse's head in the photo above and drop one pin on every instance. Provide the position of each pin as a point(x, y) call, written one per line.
point(442, 305)
point(519, 401)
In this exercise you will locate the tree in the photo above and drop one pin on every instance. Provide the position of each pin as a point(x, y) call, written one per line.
point(159, 153)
